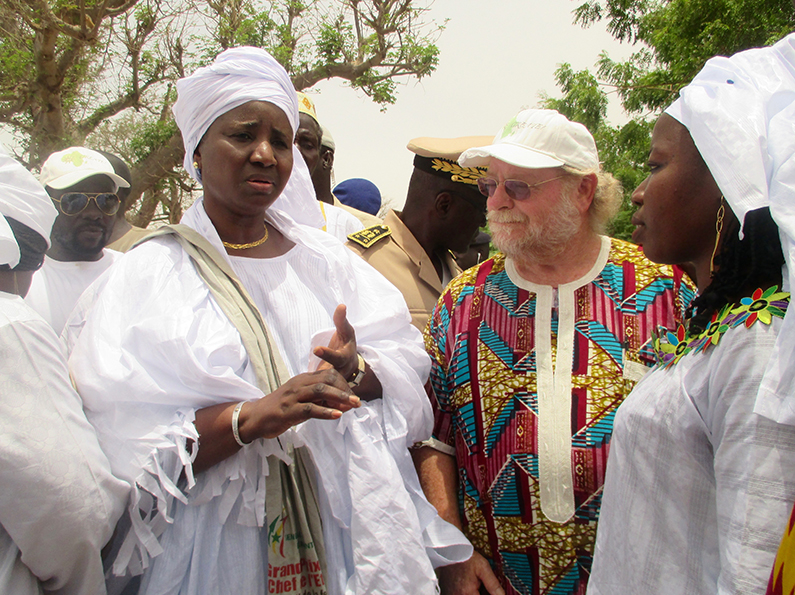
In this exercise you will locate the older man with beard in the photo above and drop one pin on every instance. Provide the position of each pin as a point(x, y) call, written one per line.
point(533, 351)
point(83, 185)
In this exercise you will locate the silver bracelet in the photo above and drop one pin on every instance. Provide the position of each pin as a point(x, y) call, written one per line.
point(235, 417)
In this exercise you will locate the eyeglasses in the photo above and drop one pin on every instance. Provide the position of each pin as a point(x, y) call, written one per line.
point(72, 203)
point(516, 189)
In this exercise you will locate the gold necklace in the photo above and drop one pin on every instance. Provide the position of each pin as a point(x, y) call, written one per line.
point(258, 242)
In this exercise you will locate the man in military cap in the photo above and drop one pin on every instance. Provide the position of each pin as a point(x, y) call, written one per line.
point(443, 212)
point(308, 139)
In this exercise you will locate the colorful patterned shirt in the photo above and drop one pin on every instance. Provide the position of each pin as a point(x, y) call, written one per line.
point(782, 578)
point(531, 441)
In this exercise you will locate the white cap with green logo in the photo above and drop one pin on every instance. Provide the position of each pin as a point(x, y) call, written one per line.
point(535, 139)
point(70, 166)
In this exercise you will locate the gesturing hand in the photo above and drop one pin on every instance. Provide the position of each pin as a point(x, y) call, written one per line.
point(340, 353)
point(323, 394)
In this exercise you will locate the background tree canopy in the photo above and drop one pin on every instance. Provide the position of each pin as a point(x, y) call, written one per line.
point(674, 39)
point(101, 73)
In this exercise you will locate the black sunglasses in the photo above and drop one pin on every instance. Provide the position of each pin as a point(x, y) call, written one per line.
point(72, 203)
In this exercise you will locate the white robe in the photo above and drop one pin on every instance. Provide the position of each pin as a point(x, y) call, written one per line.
point(698, 486)
point(339, 222)
point(58, 285)
point(59, 502)
point(155, 347)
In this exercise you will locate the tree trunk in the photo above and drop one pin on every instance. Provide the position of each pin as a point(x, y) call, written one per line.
point(48, 135)
point(147, 210)
point(146, 174)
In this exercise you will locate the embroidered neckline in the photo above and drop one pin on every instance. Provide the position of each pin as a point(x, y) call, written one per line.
point(762, 306)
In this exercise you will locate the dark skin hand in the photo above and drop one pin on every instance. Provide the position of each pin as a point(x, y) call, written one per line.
point(340, 354)
point(323, 394)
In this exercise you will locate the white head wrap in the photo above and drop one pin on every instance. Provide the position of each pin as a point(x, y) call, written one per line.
point(740, 112)
point(237, 76)
point(24, 199)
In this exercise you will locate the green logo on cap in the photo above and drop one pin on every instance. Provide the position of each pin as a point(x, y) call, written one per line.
point(509, 128)
point(75, 157)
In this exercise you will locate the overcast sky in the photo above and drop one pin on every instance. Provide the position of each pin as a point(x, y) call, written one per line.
point(495, 58)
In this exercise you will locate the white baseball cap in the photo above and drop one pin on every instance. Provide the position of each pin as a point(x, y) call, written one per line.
point(70, 166)
point(535, 139)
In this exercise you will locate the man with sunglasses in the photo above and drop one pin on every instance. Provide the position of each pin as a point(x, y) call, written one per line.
point(442, 213)
point(532, 352)
point(83, 187)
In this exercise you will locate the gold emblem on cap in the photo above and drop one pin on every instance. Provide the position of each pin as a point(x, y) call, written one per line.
point(465, 175)
point(306, 105)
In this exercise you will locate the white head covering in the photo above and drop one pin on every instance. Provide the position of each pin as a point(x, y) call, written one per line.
point(24, 199)
point(740, 112)
point(237, 76)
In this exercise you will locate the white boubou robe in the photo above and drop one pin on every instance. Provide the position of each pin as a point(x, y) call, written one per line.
point(150, 346)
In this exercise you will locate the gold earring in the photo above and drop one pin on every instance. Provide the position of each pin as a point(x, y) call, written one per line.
point(718, 229)
point(196, 165)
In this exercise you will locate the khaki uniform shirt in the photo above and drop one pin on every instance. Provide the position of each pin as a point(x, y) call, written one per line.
point(397, 255)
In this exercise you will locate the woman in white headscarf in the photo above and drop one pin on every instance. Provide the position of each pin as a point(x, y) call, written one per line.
point(58, 502)
point(701, 473)
point(194, 364)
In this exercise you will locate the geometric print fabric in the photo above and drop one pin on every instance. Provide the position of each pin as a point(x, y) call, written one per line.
point(483, 389)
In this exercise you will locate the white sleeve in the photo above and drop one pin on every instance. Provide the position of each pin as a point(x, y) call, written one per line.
point(59, 501)
point(754, 461)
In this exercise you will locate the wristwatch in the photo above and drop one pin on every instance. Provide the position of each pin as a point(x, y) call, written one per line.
point(358, 374)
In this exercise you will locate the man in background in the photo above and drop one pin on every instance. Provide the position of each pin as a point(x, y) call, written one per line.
point(443, 212)
point(324, 169)
point(308, 138)
point(359, 194)
point(83, 185)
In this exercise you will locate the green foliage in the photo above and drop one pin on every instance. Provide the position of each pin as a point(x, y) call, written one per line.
point(676, 38)
point(622, 150)
point(376, 87)
point(583, 101)
point(149, 136)
point(335, 41)
point(15, 61)
point(84, 71)
point(679, 37)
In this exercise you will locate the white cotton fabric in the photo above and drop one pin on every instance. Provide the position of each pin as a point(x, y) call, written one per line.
point(698, 486)
point(156, 347)
point(57, 286)
point(339, 222)
point(740, 112)
point(237, 76)
point(59, 502)
point(24, 199)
